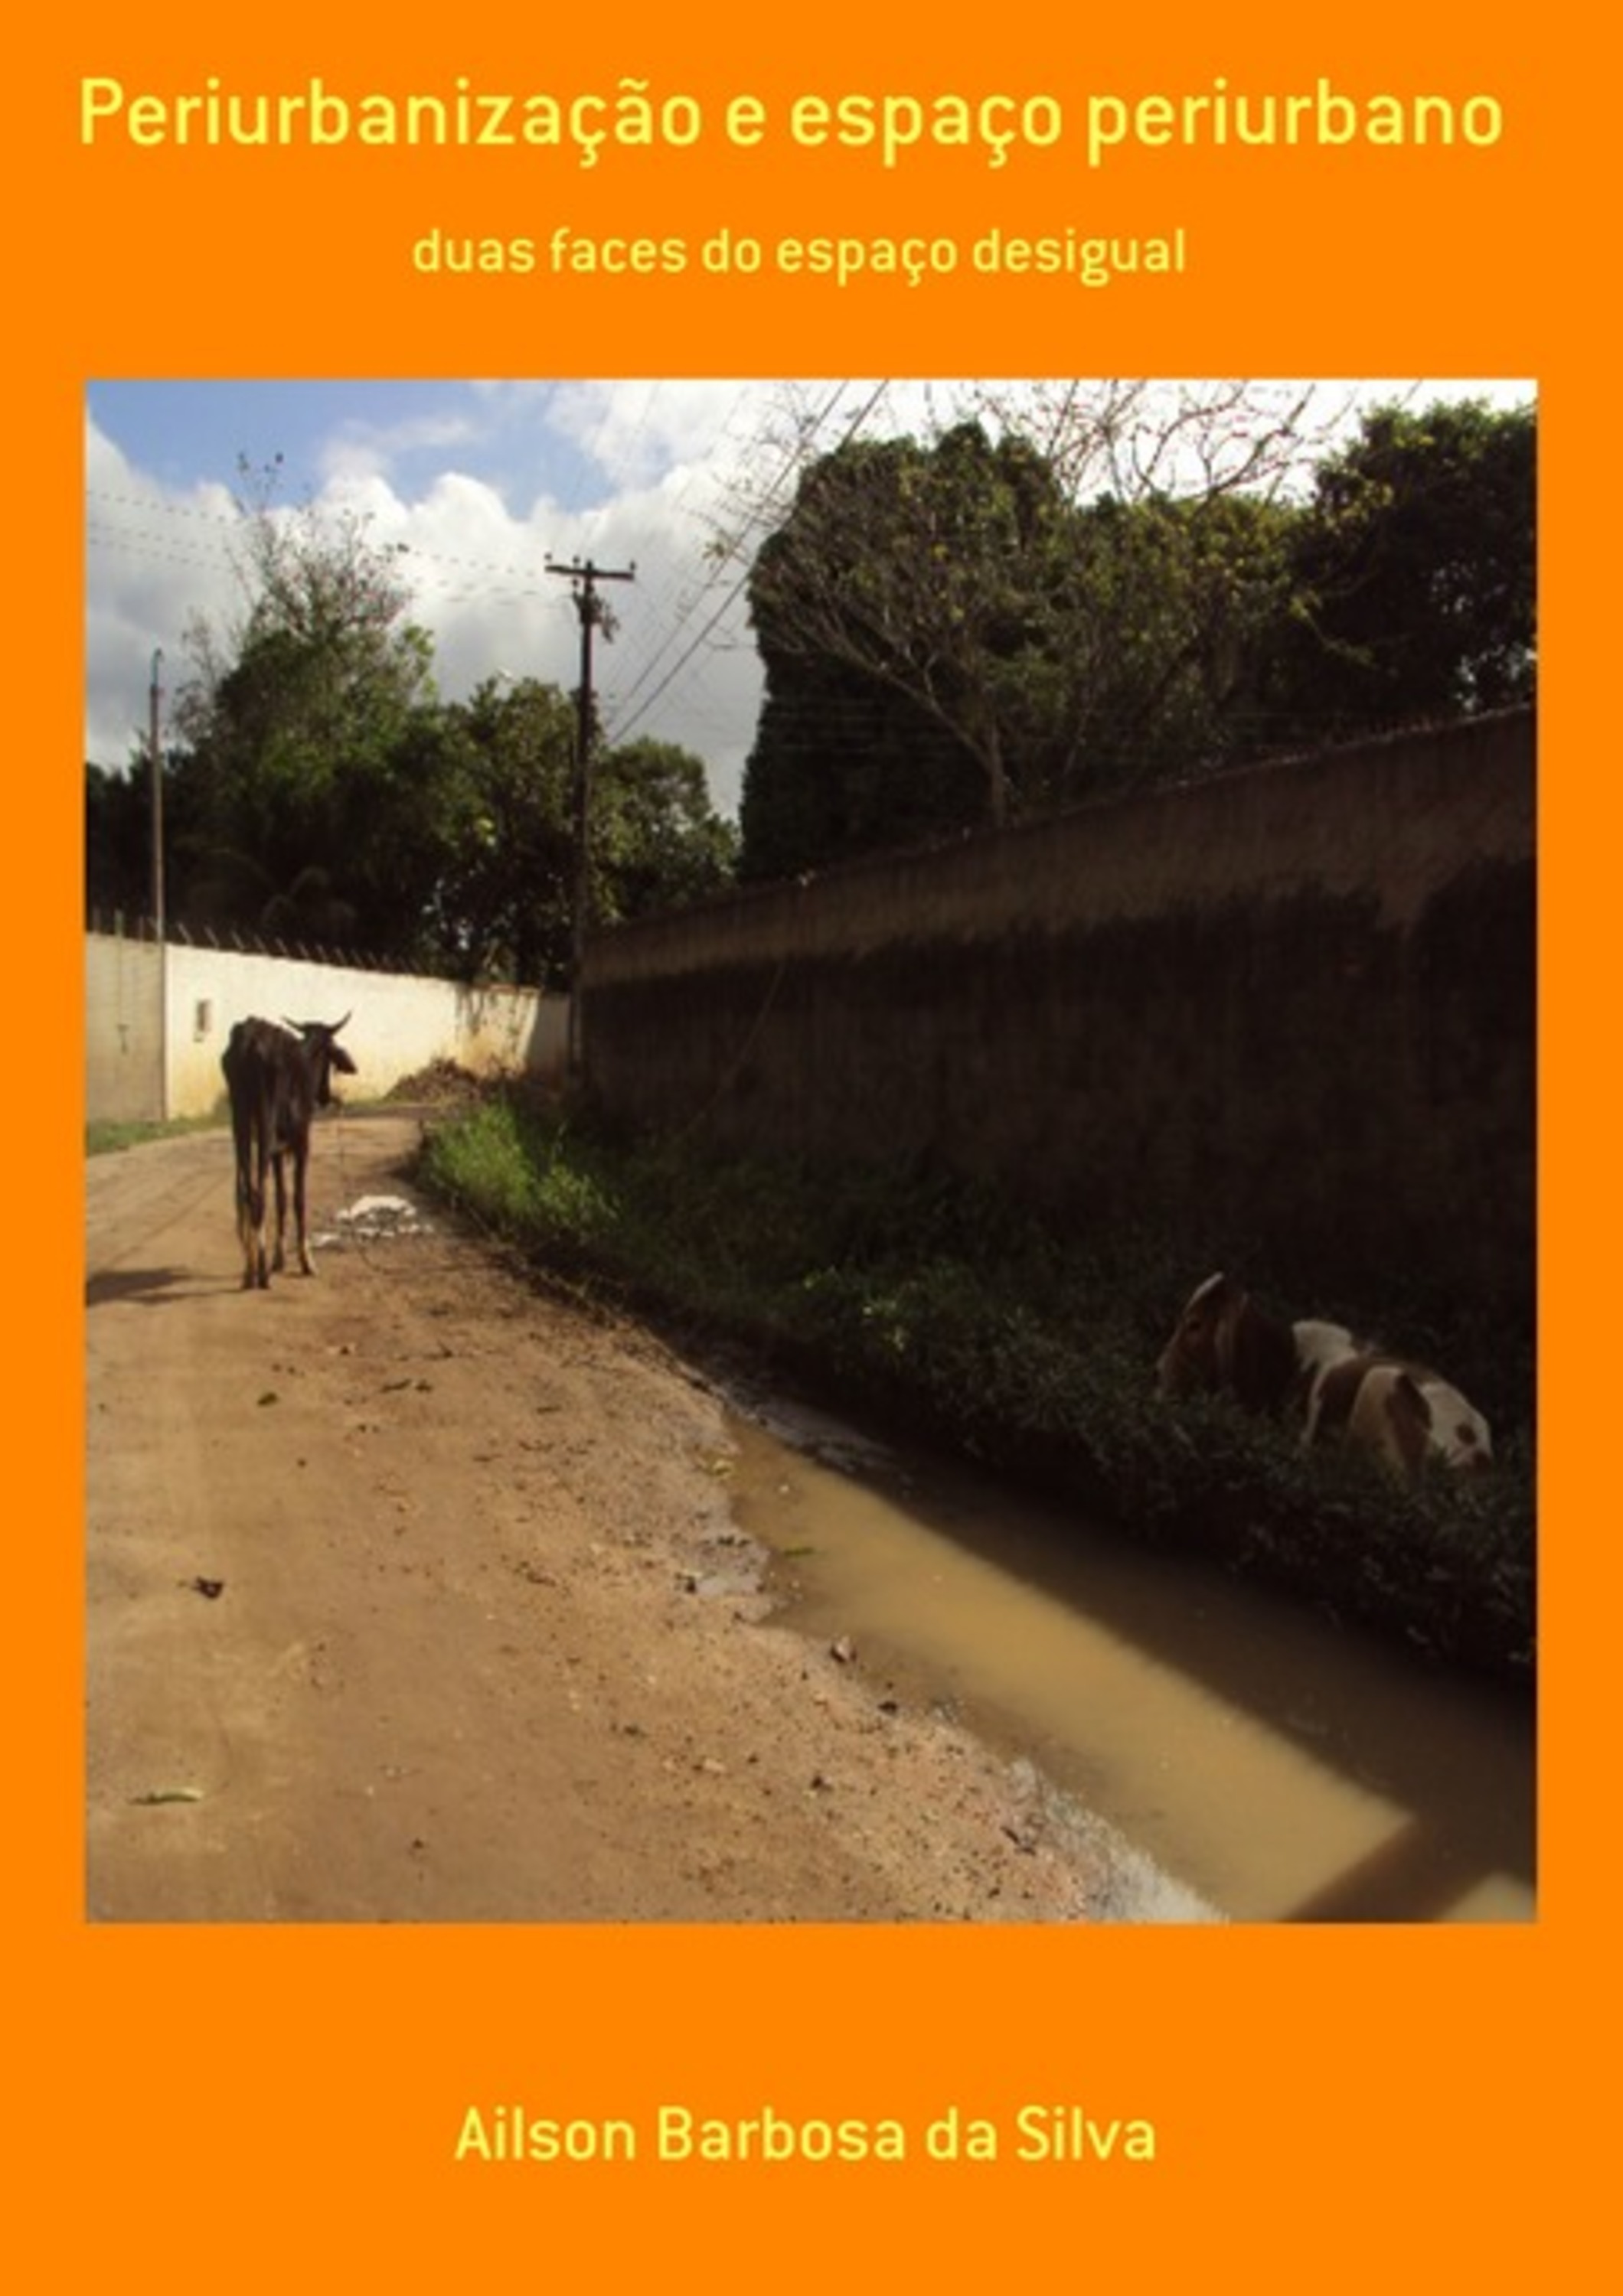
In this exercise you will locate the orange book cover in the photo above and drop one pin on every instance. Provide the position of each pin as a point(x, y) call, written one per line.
point(638, 204)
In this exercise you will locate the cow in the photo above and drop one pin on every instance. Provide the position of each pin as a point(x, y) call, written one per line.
point(277, 1078)
point(1335, 1387)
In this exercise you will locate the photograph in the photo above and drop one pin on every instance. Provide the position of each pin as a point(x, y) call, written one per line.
point(886, 1011)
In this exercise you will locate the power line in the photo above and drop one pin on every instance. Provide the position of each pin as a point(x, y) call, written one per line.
point(794, 458)
point(454, 579)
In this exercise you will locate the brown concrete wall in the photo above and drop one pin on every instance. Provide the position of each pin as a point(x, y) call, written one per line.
point(1288, 1013)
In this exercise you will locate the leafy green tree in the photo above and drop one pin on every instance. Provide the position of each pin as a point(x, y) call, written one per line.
point(950, 637)
point(920, 570)
point(119, 839)
point(843, 764)
point(293, 726)
point(948, 640)
point(1416, 574)
point(1159, 630)
point(502, 906)
point(657, 842)
point(504, 902)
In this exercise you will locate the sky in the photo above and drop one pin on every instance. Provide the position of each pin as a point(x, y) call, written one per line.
point(483, 482)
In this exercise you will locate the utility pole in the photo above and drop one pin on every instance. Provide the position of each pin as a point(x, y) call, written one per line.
point(583, 578)
point(155, 754)
point(159, 922)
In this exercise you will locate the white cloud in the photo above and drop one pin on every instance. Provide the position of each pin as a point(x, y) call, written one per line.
point(154, 558)
point(158, 558)
point(360, 450)
point(637, 432)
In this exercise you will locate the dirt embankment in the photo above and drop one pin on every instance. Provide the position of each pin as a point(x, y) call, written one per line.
point(414, 1593)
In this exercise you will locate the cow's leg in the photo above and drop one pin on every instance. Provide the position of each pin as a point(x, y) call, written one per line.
point(300, 1160)
point(247, 1147)
point(247, 1227)
point(258, 1273)
point(279, 1257)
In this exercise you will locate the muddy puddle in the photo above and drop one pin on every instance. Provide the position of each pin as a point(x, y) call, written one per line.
point(1278, 1767)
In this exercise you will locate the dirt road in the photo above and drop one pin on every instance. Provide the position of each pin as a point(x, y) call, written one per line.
point(414, 1594)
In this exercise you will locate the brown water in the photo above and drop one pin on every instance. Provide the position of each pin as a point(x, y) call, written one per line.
point(1278, 1766)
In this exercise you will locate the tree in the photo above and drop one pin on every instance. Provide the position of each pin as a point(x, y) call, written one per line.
point(1129, 441)
point(504, 901)
point(950, 635)
point(292, 728)
point(843, 764)
point(119, 839)
point(948, 640)
point(922, 570)
point(502, 905)
point(1161, 624)
point(657, 842)
point(1416, 573)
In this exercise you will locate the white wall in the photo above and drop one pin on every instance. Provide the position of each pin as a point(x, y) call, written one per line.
point(123, 1031)
point(399, 1023)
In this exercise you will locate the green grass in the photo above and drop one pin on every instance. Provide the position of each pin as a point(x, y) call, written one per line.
point(945, 1309)
point(111, 1139)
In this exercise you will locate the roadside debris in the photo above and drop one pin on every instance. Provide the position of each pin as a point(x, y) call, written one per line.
point(375, 1219)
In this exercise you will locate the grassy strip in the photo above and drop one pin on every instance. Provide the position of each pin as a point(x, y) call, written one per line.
point(942, 1306)
point(107, 1139)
